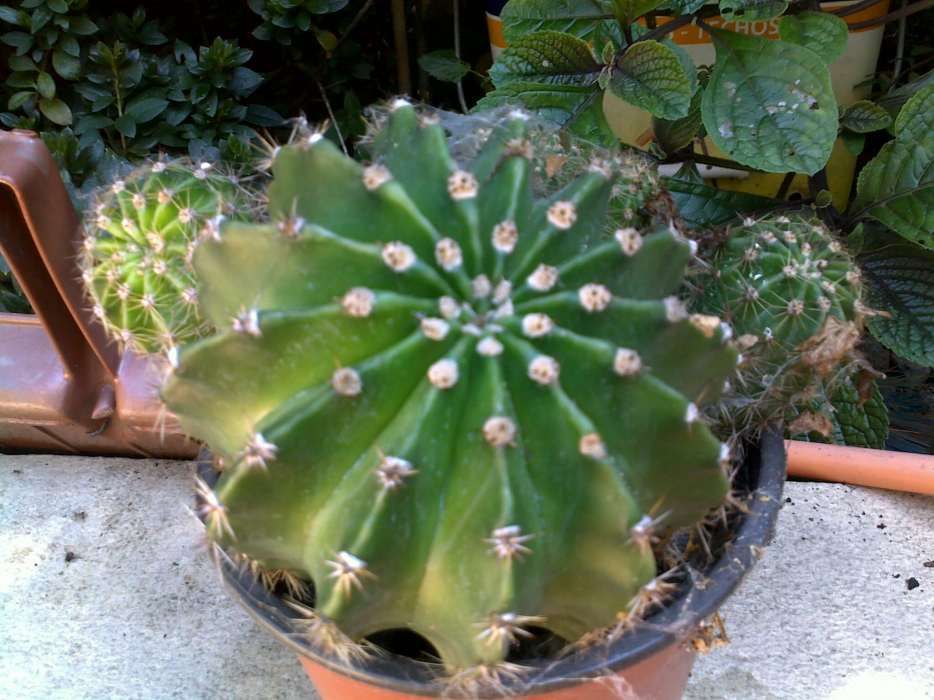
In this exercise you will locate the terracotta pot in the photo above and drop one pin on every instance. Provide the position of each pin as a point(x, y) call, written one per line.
point(651, 663)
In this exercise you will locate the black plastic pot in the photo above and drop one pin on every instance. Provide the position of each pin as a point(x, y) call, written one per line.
point(655, 649)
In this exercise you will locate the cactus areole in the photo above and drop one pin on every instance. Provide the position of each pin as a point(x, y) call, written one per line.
point(453, 400)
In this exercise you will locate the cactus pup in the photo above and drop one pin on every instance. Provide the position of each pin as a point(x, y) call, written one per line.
point(136, 262)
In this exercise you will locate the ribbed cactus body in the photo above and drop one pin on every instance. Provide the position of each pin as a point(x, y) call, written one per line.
point(791, 292)
point(138, 248)
point(781, 278)
point(455, 403)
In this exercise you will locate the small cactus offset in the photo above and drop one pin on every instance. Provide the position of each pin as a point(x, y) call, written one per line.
point(792, 294)
point(453, 401)
point(140, 238)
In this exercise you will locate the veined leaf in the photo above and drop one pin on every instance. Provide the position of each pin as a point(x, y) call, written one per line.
point(864, 116)
point(897, 188)
point(825, 34)
point(702, 206)
point(580, 18)
point(546, 57)
point(651, 76)
point(900, 281)
point(444, 65)
point(578, 109)
point(915, 121)
point(770, 104)
point(750, 10)
point(675, 134)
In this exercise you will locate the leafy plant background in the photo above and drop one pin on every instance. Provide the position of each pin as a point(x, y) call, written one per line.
point(109, 83)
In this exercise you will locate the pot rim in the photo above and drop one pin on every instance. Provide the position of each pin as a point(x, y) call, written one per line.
point(764, 476)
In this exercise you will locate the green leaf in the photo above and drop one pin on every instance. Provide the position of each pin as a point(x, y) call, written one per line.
point(628, 11)
point(770, 104)
point(580, 18)
point(702, 206)
point(863, 117)
point(854, 142)
point(126, 125)
point(673, 135)
point(650, 76)
point(18, 99)
point(576, 108)
point(260, 115)
point(915, 121)
point(546, 57)
point(45, 85)
point(825, 34)
point(22, 63)
point(83, 26)
point(59, 6)
point(9, 15)
point(328, 40)
point(21, 41)
point(682, 7)
point(750, 10)
point(897, 188)
point(860, 423)
point(900, 281)
point(894, 100)
point(66, 66)
point(22, 80)
point(55, 111)
point(444, 65)
point(243, 81)
point(145, 109)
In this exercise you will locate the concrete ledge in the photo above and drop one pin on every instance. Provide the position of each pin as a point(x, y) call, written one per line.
point(105, 592)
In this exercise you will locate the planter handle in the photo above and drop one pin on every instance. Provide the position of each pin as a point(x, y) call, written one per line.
point(64, 387)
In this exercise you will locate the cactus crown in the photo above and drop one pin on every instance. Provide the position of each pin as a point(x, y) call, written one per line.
point(455, 397)
point(137, 253)
point(792, 293)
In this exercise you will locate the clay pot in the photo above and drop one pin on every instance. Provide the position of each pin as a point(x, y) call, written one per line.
point(651, 663)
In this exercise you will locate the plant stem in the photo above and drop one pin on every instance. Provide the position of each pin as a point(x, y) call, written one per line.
point(710, 160)
point(355, 21)
point(119, 99)
point(457, 54)
point(403, 72)
point(784, 187)
point(900, 50)
point(327, 104)
point(906, 11)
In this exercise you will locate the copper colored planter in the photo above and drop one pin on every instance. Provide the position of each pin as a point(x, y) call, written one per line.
point(651, 663)
point(64, 387)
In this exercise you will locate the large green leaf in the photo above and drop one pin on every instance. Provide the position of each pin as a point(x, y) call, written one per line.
point(864, 116)
point(580, 18)
point(825, 34)
point(749, 10)
point(576, 108)
point(702, 206)
point(682, 7)
point(628, 11)
point(651, 76)
point(897, 188)
point(915, 121)
point(770, 104)
point(674, 134)
point(546, 57)
point(894, 100)
point(900, 283)
point(444, 65)
point(860, 423)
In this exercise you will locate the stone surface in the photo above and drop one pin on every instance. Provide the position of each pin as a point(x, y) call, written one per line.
point(136, 610)
point(827, 613)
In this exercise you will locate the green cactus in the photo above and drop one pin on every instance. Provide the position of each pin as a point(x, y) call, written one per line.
point(136, 263)
point(454, 402)
point(792, 294)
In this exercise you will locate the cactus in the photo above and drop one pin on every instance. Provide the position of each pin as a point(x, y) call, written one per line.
point(792, 294)
point(454, 401)
point(136, 263)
